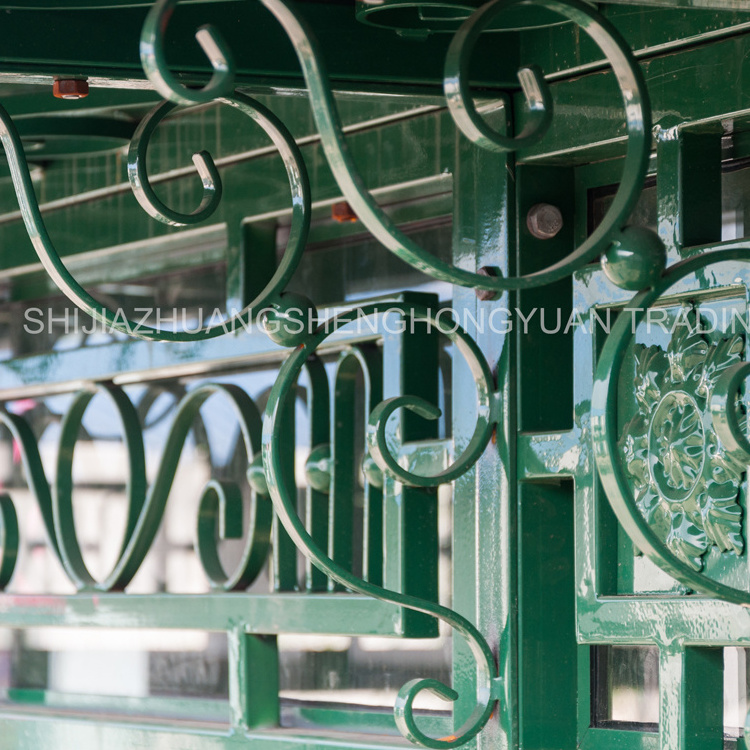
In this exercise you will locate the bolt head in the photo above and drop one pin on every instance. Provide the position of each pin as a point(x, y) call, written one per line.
point(544, 221)
point(70, 88)
point(486, 294)
point(343, 213)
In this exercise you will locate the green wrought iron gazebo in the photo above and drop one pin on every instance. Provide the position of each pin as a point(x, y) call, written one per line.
point(412, 411)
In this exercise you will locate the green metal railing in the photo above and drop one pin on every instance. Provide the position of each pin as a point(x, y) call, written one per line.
point(632, 261)
point(672, 466)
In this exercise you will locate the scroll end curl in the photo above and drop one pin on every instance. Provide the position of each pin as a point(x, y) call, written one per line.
point(141, 185)
point(404, 714)
point(378, 443)
point(461, 103)
point(155, 66)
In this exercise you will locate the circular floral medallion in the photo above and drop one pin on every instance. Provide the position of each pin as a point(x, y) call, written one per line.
point(686, 484)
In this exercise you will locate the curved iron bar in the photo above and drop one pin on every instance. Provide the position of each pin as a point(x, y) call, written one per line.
point(62, 496)
point(34, 473)
point(286, 508)
point(220, 516)
point(8, 539)
point(608, 235)
point(154, 62)
point(220, 506)
point(723, 413)
point(146, 195)
point(461, 102)
point(604, 426)
point(269, 297)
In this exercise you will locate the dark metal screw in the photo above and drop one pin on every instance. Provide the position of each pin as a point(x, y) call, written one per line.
point(544, 221)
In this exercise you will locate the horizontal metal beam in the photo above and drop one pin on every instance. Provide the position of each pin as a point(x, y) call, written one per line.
point(262, 614)
point(589, 120)
point(103, 44)
point(24, 732)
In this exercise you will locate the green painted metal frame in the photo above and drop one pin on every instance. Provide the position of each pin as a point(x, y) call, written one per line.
point(247, 713)
point(689, 630)
point(539, 483)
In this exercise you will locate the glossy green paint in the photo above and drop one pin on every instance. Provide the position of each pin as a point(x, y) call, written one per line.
point(115, 320)
point(256, 187)
point(366, 360)
point(673, 622)
point(285, 506)
point(528, 542)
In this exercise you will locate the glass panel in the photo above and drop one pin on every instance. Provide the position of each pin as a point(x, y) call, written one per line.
point(644, 213)
point(357, 267)
point(360, 671)
point(626, 687)
point(55, 667)
point(736, 676)
point(735, 203)
point(370, 671)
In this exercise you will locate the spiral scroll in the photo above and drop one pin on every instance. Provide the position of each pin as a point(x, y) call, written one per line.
point(154, 61)
point(204, 165)
point(286, 508)
point(270, 296)
point(220, 508)
point(625, 251)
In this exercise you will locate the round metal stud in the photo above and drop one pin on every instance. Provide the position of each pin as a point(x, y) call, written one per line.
point(635, 260)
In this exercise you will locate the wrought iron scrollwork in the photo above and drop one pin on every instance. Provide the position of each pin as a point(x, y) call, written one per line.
point(286, 507)
point(220, 507)
point(625, 251)
point(725, 417)
point(722, 397)
point(271, 297)
point(632, 258)
point(155, 65)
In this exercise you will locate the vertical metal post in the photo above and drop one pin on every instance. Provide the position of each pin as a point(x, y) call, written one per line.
point(410, 531)
point(691, 705)
point(688, 189)
point(484, 512)
point(253, 680)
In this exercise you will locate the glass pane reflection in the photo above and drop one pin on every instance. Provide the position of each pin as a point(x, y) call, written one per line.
point(626, 690)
